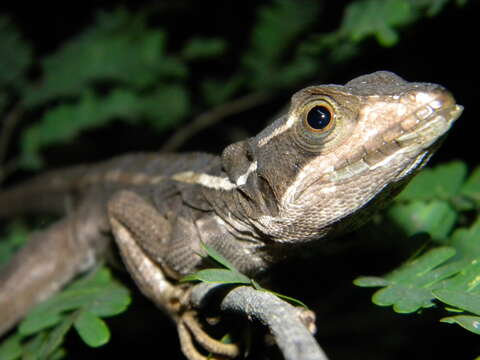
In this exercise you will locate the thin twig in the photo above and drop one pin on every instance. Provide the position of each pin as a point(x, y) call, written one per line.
point(282, 319)
point(211, 117)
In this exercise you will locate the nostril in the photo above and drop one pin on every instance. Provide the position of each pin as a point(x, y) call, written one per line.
point(429, 95)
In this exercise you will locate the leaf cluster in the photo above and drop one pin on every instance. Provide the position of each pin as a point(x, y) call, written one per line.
point(81, 305)
point(443, 203)
point(121, 68)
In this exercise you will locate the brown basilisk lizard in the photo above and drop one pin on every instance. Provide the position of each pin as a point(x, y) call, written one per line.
point(319, 170)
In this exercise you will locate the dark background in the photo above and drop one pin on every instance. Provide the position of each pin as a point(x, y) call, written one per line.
point(441, 50)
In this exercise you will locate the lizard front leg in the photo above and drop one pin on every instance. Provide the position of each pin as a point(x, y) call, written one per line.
point(140, 230)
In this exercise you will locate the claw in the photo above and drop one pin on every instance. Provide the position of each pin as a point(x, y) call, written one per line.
point(189, 330)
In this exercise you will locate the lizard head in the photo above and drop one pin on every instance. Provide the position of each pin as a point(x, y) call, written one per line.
point(341, 151)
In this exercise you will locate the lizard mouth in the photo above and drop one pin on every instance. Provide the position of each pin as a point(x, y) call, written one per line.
point(430, 121)
point(415, 133)
point(418, 130)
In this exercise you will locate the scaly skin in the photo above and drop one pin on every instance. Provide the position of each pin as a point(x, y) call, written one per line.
point(339, 153)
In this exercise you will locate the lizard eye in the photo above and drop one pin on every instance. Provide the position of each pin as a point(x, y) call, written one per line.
point(319, 118)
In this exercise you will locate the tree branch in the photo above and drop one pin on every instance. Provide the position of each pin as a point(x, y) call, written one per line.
point(211, 117)
point(281, 318)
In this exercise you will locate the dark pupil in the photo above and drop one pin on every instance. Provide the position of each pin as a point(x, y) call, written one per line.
point(319, 117)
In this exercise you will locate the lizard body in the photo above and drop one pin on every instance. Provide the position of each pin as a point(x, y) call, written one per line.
point(319, 170)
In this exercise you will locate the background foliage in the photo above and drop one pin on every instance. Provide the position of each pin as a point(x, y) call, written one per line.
point(126, 77)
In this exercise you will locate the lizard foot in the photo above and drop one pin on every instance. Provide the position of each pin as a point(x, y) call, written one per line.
point(189, 330)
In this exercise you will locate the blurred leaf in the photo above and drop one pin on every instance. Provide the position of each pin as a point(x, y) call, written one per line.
point(119, 48)
point(436, 218)
point(378, 18)
point(436, 7)
point(92, 329)
point(203, 48)
point(301, 67)
point(441, 182)
point(16, 55)
point(16, 236)
point(32, 349)
point(40, 321)
point(467, 240)
point(97, 293)
point(383, 18)
point(471, 188)
point(11, 348)
point(278, 25)
point(161, 108)
point(427, 203)
point(55, 338)
point(164, 107)
point(217, 92)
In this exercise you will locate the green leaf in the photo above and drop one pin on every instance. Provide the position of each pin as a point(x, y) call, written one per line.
point(39, 321)
point(279, 24)
point(217, 92)
point(441, 182)
point(230, 275)
point(277, 27)
point(377, 17)
point(284, 297)
point(219, 258)
point(203, 48)
point(96, 295)
point(451, 275)
point(370, 281)
point(162, 108)
point(410, 287)
point(11, 348)
point(436, 218)
point(55, 338)
point(15, 238)
point(118, 49)
point(80, 305)
point(461, 299)
point(471, 187)
point(467, 241)
point(471, 323)
point(220, 276)
point(93, 330)
point(32, 349)
point(16, 55)
point(436, 7)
